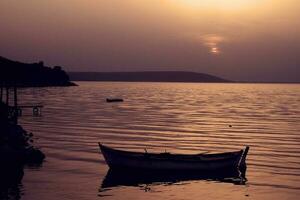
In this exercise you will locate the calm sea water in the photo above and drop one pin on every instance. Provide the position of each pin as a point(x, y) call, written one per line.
point(173, 117)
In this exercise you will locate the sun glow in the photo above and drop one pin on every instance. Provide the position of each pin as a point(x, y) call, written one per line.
point(212, 41)
point(218, 4)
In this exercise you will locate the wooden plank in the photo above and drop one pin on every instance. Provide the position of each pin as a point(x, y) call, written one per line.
point(30, 106)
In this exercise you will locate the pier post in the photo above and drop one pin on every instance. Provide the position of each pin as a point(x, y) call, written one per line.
point(1, 92)
point(15, 97)
point(7, 95)
point(16, 113)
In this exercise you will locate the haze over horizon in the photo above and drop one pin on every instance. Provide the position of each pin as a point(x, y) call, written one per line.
point(242, 40)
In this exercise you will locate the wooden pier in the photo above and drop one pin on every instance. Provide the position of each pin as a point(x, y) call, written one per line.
point(16, 110)
point(36, 109)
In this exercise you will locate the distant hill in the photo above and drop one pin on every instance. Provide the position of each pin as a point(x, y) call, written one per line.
point(147, 76)
point(31, 75)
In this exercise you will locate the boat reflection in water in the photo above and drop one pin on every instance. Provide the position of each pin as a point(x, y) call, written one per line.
point(116, 178)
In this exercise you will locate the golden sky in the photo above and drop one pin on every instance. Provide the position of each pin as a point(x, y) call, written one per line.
point(236, 39)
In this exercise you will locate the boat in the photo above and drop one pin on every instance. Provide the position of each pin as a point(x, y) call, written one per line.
point(110, 100)
point(137, 161)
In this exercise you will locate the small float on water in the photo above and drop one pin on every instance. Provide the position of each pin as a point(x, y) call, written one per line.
point(126, 160)
point(111, 100)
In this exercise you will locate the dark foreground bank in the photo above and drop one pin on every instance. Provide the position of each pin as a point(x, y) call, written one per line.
point(16, 151)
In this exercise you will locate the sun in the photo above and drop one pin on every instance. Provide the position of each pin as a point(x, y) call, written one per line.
point(214, 50)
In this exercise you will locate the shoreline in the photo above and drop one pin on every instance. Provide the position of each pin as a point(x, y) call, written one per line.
point(16, 144)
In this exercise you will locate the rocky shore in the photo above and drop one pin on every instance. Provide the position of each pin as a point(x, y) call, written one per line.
point(16, 148)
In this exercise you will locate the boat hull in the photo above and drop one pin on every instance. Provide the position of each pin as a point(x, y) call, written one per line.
point(121, 160)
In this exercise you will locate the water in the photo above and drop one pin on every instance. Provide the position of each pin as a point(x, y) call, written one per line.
point(173, 117)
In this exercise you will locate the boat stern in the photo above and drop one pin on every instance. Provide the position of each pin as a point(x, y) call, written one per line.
point(242, 162)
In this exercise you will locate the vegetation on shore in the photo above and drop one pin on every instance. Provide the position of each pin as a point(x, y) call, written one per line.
point(32, 75)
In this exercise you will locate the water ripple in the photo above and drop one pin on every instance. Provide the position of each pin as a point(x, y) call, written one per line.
point(179, 118)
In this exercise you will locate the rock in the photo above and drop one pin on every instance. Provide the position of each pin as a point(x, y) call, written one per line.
point(34, 155)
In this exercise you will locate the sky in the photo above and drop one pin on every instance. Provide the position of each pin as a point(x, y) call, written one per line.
point(242, 40)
